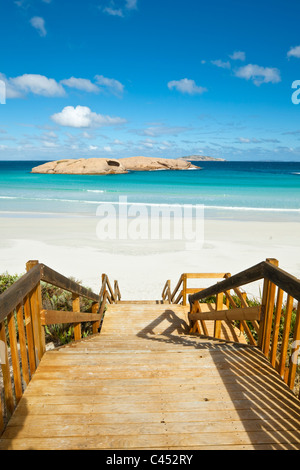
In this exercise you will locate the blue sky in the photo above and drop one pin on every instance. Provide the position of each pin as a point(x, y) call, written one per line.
point(119, 78)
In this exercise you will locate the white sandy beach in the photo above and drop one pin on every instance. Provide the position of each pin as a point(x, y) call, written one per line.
point(71, 246)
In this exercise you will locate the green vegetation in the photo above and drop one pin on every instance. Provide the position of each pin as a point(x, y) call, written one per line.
point(6, 280)
point(55, 298)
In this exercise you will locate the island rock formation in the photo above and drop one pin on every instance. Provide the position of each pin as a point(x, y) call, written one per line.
point(107, 166)
point(201, 158)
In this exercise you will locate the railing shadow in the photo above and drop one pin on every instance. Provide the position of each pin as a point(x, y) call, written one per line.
point(259, 399)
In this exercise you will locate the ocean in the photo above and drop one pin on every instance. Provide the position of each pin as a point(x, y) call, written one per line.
point(230, 190)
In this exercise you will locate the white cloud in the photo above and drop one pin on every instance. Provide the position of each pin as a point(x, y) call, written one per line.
point(131, 4)
point(80, 84)
point(83, 117)
point(294, 52)
point(186, 85)
point(238, 55)
point(156, 131)
point(39, 24)
point(221, 64)
point(110, 84)
point(115, 11)
point(259, 74)
point(17, 87)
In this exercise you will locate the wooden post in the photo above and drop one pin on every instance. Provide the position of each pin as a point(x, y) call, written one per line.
point(268, 302)
point(184, 289)
point(218, 323)
point(36, 307)
point(29, 335)
point(15, 356)
point(96, 324)
point(8, 393)
point(285, 335)
point(22, 342)
point(76, 308)
point(276, 327)
point(295, 351)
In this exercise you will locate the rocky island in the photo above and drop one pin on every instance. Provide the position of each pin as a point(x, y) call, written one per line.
point(108, 166)
point(202, 158)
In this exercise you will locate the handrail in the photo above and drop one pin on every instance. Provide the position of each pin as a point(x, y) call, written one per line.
point(166, 293)
point(22, 319)
point(52, 277)
point(14, 295)
point(245, 277)
point(283, 354)
point(176, 290)
point(265, 269)
point(107, 294)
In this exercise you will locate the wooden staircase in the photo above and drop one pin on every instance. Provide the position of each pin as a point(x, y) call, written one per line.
point(145, 383)
point(152, 380)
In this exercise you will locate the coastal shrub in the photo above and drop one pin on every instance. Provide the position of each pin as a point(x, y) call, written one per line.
point(7, 280)
point(55, 298)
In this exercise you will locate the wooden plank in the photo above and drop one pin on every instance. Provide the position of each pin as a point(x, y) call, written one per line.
point(285, 335)
point(269, 318)
point(219, 307)
point(8, 392)
point(133, 429)
point(295, 350)
point(36, 306)
point(282, 279)
point(176, 288)
point(206, 275)
point(51, 317)
point(76, 310)
point(245, 277)
point(22, 342)
point(164, 439)
point(15, 356)
point(96, 324)
point(184, 287)
point(29, 335)
point(247, 314)
point(276, 327)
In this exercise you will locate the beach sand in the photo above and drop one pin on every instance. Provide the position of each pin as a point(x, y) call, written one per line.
point(70, 245)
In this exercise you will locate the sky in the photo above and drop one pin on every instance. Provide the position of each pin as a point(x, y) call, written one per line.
point(159, 78)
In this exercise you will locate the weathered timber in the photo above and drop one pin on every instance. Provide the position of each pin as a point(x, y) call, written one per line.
point(245, 277)
point(51, 317)
point(247, 314)
point(282, 279)
point(15, 294)
point(52, 277)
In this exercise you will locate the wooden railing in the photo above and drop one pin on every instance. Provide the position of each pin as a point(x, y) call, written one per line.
point(280, 305)
point(166, 293)
point(181, 291)
point(22, 322)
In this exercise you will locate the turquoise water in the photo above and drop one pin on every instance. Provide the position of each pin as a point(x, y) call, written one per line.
point(226, 189)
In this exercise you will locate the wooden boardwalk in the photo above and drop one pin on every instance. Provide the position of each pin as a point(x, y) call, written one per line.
point(145, 383)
